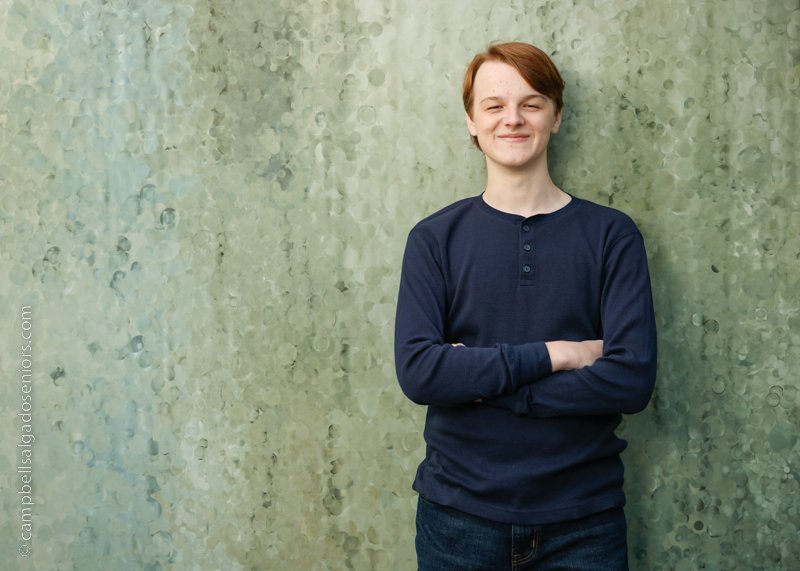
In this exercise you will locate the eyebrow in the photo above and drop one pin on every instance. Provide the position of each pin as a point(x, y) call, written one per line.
point(526, 98)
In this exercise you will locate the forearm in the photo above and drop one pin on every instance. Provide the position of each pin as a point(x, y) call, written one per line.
point(584, 382)
point(440, 374)
point(568, 355)
point(477, 375)
point(618, 384)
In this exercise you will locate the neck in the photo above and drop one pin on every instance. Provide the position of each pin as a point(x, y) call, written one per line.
point(524, 193)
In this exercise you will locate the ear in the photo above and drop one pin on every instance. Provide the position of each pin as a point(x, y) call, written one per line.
point(473, 129)
point(557, 124)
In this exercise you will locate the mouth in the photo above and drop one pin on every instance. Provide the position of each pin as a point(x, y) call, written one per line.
point(514, 138)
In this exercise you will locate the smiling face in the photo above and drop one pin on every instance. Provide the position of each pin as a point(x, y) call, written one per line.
point(511, 120)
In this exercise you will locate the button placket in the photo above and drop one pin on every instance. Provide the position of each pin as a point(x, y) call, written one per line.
point(526, 251)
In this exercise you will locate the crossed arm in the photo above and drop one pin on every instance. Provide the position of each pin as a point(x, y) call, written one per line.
point(568, 355)
point(541, 378)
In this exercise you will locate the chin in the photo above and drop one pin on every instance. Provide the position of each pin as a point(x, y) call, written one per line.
point(513, 162)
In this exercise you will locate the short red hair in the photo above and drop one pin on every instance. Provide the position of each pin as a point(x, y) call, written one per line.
point(533, 65)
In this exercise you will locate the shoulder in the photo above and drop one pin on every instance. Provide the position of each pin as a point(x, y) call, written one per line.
point(611, 222)
point(447, 214)
point(441, 222)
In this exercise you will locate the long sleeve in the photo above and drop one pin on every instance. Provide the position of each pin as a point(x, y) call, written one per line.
point(503, 285)
point(430, 370)
point(622, 380)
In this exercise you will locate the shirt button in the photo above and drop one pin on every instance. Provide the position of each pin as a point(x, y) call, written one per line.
point(525, 228)
point(526, 268)
point(527, 247)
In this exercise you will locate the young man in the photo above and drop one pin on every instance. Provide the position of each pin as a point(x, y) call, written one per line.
point(525, 324)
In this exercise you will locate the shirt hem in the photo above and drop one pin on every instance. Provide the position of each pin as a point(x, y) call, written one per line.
point(525, 517)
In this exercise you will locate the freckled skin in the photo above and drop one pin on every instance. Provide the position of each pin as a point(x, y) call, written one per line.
point(512, 121)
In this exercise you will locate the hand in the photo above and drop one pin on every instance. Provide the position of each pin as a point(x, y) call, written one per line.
point(567, 355)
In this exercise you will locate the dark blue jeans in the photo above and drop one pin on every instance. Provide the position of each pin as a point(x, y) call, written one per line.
point(451, 540)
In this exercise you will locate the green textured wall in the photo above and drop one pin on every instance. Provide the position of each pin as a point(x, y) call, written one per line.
point(205, 203)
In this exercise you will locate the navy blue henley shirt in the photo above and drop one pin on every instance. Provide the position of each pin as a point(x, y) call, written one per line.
point(540, 447)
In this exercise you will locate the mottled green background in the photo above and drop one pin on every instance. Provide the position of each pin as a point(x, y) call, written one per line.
point(205, 204)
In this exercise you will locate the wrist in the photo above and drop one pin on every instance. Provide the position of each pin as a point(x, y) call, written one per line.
point(559, 360)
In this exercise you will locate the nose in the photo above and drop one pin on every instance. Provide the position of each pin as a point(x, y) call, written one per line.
point(513, 116)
